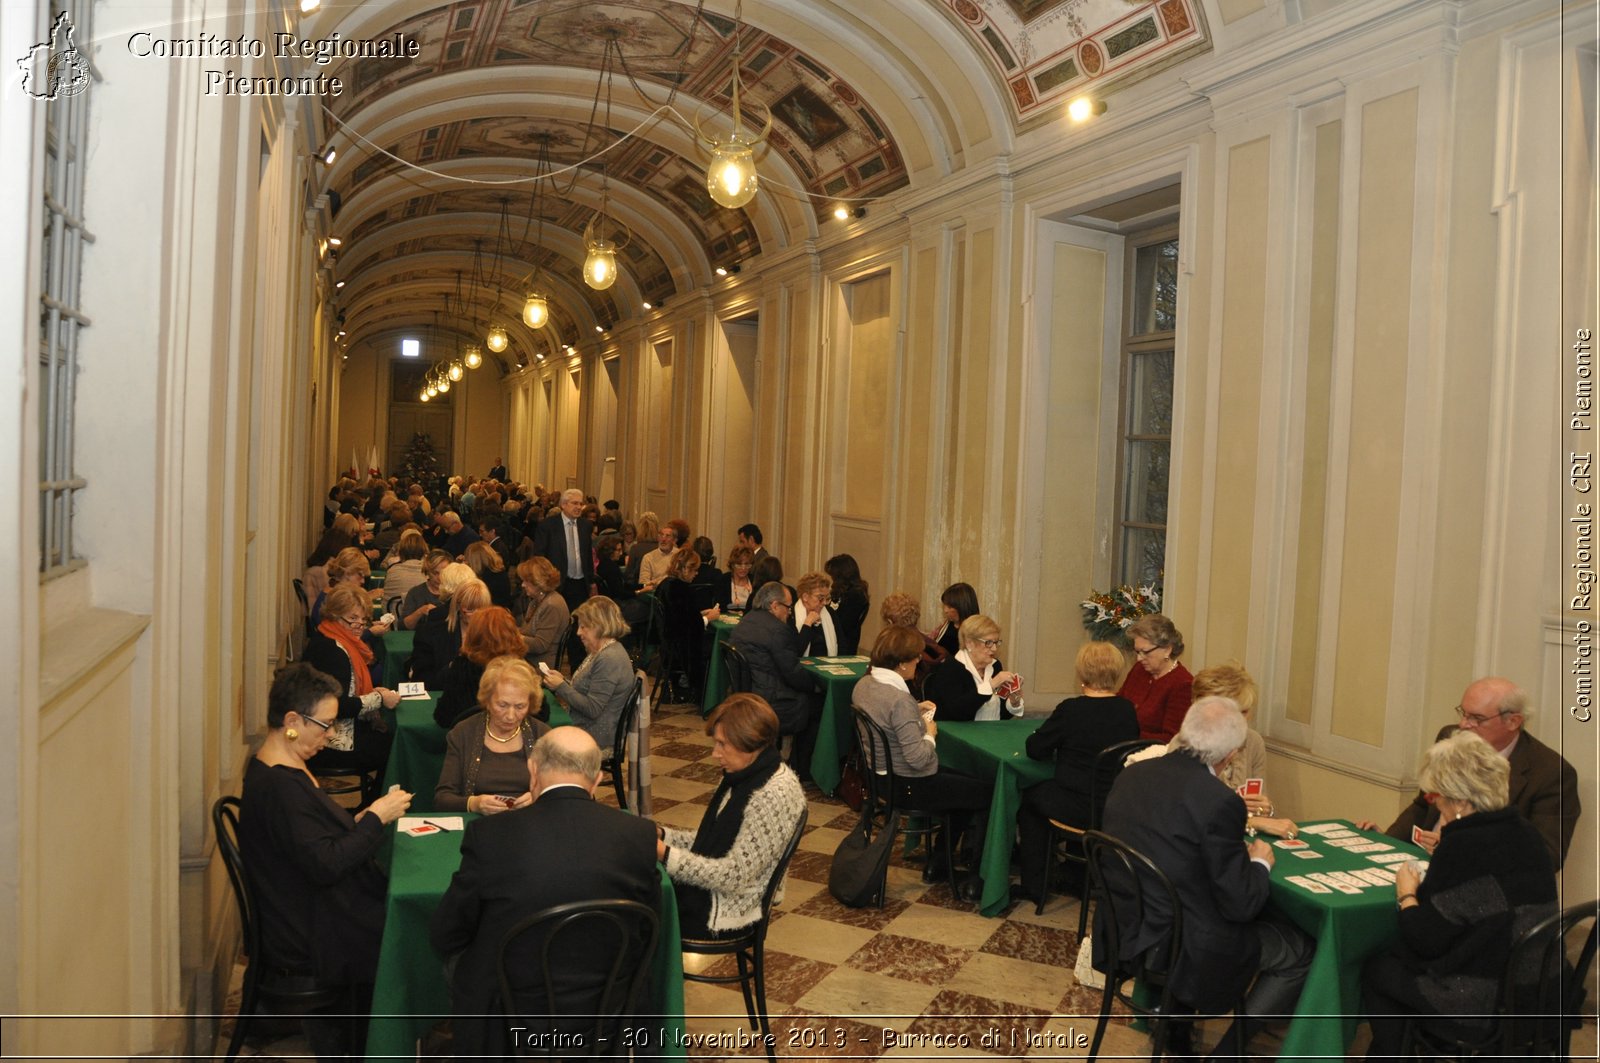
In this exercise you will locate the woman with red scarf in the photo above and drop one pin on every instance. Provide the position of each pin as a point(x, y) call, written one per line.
point(342, 647)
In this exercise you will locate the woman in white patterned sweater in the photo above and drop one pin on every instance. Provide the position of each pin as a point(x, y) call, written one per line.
point(720, 870)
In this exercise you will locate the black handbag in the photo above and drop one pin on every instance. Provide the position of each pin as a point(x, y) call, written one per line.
point(861, 865)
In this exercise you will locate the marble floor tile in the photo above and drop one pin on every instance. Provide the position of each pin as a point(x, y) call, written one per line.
point(945, 926)
point(823, 905)
point(788, 977)
point(1054, 945)
point(804, 1034)
point(910, 959)
point(813, 867)
point(676, 787)
point(817, 939)
point(822, 839)
point(1037, 985)
point(796, 891)
point(955, 1012)
point(700, 771)
point(873, 999)
point(684, 814)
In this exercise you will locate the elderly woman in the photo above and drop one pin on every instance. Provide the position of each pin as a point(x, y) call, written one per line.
point(646, 535)
point(545, 618)
point(720, 870)
point(900, 609)
point(884, 696)
point(343, 648)
point(310, 862)
point(342, 533)
point(1073, 737)
point(439, 635)
point(350, 567)
point(490, 633)
point(487, 564)
point(400, 578)
point(1159, 687)
point(600, 688)
point(486, 753)
point(851, 601)
point(959, 601)
point(812, 619)
point(972, 685)
point(1490, 878)
point(425, 597)
point(733, 590)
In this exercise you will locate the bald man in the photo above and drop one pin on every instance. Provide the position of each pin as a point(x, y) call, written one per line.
point(564, 847)
point(1544, 787)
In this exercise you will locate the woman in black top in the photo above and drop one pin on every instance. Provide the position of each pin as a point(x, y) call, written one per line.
point(1073, 737)
point(851, 601)
point(959, 601)
point(319, 897)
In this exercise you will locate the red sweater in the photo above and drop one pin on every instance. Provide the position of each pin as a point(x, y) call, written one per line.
point(1160, 703)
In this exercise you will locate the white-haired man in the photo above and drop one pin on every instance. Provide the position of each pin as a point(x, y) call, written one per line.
point(1175, 811)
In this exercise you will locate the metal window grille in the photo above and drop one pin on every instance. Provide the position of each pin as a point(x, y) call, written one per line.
point(61, 314)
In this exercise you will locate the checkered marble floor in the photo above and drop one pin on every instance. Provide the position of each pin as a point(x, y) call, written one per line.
point(924, 977)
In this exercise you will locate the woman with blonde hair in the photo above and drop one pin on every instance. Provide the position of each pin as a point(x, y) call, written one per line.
point(487, 564)
point(485, 755)
point(545, 617)
point(973, 684)
point(647, 530)
point(349, 567)
point(811, 616)
point(600, 688)
point(342, 647)
point(439, 633)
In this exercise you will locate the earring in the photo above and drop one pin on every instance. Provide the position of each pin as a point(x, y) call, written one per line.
point(291, 734)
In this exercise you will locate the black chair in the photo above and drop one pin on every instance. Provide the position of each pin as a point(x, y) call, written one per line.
point(305, 604)
point(564, 645)
point(647, 636)
point(882, 807)
point(618, 935)
point(740, 679)
point(393, 604)
point(616, 761)
point(749, 949)
point(1122, 879)
point(1064, 838)
point(1540, 999)
point(680, 667)
point(287, 994)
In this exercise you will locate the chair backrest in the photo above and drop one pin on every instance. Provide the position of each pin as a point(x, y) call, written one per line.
point(873, 749)
point(393, 604)
point(1107, 766)
point(1123, 881)
point(300, 593)
point(740, 678)
point(1541, 989)
point(616, 938)
point(225, 821)
point(619, 741)
point(564, 642)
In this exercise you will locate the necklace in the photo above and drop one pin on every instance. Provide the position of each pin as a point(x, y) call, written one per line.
point(490, 731)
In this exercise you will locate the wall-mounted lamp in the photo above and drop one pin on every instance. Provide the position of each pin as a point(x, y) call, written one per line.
point(328, 154)
point(308, 6)
point(646, 305)
point(334, 241)
point(338, 284)
point(844, 213)
point(1083, 108)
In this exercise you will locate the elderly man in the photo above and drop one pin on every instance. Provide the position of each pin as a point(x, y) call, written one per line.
point(1544, 787)
point(565, 539)
point(457, 536)
point(773, 649)
point(1176, 811)
point(564, 847)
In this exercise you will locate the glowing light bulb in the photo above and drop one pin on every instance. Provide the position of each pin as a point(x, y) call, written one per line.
point(536, 310)
point(497, 340)
point(456, 371)
point(443, 385)
point(731, 177)
point(600, 268)
point(474, 357)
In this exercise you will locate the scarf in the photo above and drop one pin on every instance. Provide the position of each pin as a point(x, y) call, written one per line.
point(725, 815)
point(359, 652)
point(982, 680)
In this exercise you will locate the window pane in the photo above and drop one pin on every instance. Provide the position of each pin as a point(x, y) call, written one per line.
point(1147, 482)
point(1150, 395)
point(1155, 288)
point(1144, 556)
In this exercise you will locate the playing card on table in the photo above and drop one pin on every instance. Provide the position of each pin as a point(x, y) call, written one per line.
point(1369, 847)
point(1291, 843)
point(1307, 884)
point(1323, 829)
point(1345, 843)
point(1340, 832)
point(1389, 858)
point(1306, 854)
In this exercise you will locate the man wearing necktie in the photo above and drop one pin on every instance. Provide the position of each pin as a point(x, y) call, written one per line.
point(566, 540)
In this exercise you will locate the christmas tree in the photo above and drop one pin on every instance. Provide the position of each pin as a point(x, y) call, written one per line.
point(420, 463)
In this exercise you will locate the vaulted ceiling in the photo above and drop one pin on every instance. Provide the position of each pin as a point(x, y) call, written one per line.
point(438, 156)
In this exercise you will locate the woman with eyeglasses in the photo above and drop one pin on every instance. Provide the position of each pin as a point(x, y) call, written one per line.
point(973, 685)
point(1159, 687)
point(310, 862)
point(344, 648)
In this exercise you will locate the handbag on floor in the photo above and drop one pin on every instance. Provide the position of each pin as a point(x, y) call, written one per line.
point(861, 864)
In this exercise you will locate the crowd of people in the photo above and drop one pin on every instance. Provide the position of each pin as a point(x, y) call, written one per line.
point(1186, 785)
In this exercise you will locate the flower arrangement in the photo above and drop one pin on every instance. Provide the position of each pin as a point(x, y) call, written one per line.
point(1106, 615)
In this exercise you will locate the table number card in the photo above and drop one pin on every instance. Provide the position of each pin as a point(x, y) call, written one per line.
point(412, 690)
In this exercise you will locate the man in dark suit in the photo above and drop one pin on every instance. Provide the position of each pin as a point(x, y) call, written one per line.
point(1544, 787)
point(1175, 811)
point(490, 531)
point(772, 646)
point(565, 539)
point(749, 535)
point(564, 847)
point(497, 471)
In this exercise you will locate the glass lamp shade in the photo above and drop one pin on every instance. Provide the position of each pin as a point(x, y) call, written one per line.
point(433, 389)
point(731, 177)
point(424, 397)
point(600, 268)
point(444, 384)
point(474, 357)
point(496, 341)
point(536, 311)
point(456, 372)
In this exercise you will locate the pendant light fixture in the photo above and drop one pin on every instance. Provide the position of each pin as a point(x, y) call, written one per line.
point(604, 236)
point(496, 338)
point(731, 176)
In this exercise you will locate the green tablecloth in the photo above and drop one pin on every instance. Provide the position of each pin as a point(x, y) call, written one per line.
point(411, 993)
point(375, 578)
point(397, 646)
point(833, 729)
point(417, 755)
point(716, 669)
point(1348, 928)
point(995, 750)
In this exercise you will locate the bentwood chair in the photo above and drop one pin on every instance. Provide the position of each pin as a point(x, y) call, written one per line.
point(614, 939)
point(740, 679)
point(1066, 840)
point(615, 762)
point(749, 949)
point(286, 993)
point(882, 807)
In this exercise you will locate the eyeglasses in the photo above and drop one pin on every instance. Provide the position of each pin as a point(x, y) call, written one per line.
point(1137, 652)
point(356, 621)
point(785, 605)
point(319, 723)
point(1473, 718)
point(993, 644)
